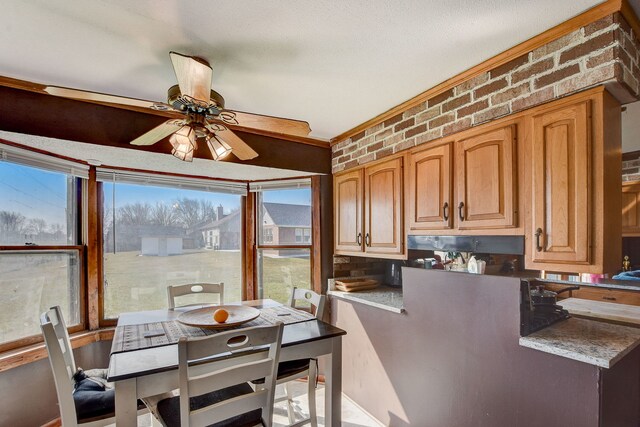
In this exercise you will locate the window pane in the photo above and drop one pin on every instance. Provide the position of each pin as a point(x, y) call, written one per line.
point(33, 281)
point(36, 206)
point(281, 269)
point(165, 237)
point(285, 217)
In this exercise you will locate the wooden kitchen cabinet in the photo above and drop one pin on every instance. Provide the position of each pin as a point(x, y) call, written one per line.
point(430, 204)
point(348, 199)
point(368, 205)
point(561, 208)
point(631, 208)
point(607, 295)
point(486, 179)
point(572, 192)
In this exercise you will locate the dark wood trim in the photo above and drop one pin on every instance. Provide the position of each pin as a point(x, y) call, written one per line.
point(597, 12)
point(293, 138)
point(631, 155)
point(25, 355)
point(94, 231)
point(316, 239)
point(249, 270)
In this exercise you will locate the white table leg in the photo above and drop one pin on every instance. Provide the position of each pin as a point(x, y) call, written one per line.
point(333, 385)
point(126, 403)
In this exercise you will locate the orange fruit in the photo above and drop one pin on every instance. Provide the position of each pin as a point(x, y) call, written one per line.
point(220, 315)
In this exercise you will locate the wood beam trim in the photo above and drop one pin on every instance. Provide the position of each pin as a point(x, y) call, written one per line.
point(597, 12)
point(249, 253)
point(316, 253)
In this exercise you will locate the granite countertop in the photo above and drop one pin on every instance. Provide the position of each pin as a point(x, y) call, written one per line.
point(597, 343)
point(383, 297)
point(628, 285)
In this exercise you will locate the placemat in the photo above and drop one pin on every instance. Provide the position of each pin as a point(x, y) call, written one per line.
point(158, 334)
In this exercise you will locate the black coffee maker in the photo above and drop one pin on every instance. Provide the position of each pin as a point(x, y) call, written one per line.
point(393, 275)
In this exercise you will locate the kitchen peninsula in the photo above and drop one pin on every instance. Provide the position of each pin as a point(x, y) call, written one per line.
point(459, 350)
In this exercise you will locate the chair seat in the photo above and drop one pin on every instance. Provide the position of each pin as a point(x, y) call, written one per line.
point(169, 409)
point(289, 368)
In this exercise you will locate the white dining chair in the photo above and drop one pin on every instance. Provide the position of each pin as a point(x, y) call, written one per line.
point(175, 291)
point(218, 393)
point(297, 369)
point(95, 407)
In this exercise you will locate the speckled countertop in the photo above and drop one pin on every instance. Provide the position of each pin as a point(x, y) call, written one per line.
point(597, 343)
point(384, 297)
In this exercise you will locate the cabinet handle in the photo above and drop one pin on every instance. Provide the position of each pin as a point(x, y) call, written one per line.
point(445, 211)
point(367, 241)
point(609, 298)
point(460, 212)
point(359, 239)
point(538, 234)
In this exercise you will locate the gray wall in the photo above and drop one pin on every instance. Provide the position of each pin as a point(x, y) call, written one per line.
point(28, 393)
point(453, 359)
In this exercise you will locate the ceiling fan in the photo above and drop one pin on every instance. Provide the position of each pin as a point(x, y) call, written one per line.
point(205, 118)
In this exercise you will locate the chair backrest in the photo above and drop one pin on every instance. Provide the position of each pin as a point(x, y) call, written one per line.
point(310, 297)
point(194, 288)
point(243, 365)
point(63, 364)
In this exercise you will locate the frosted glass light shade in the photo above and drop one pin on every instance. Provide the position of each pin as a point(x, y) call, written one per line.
point(184, 143)
point(219, 148)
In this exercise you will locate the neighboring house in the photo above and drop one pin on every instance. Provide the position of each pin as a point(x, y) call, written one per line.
point(155, 240)
point(224, 233)
point(285, 224)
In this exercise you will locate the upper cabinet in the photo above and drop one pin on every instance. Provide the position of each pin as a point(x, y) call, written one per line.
point(347, 190)
point(631, 208)
point(429, 188)
point(486, 179)
point(560, 195)
point(574, 175)
point(480, 168)
point(368, 204)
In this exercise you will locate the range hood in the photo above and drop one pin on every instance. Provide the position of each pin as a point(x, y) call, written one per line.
point(508, 245)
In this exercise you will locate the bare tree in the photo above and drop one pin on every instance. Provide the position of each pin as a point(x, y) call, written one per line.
point(12, 221)
point(163, 214)
point(190, 212)
point(135, 214)
point(36, 226)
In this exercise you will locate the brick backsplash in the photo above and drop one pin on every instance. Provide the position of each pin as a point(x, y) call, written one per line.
point(601, 52)
point(631, 169)
point(351, 266)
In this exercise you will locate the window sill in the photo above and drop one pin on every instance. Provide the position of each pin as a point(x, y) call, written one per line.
point(14, 358)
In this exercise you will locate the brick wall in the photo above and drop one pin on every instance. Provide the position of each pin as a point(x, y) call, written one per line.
point(351, 266)
point(605, 51)
point(631, 168)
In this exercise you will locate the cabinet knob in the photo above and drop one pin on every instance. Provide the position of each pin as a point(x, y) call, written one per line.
point(367, 241)
point(359, 239)
point(538, 234)
point(445, 211)
point(461, 211)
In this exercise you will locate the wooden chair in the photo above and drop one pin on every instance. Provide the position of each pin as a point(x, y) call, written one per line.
point(63, 365)
point(217, 393)
point(296, 369)
point(194, 288)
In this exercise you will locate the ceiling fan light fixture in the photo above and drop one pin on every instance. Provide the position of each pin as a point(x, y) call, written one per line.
point(184, 143)
point(219, 149)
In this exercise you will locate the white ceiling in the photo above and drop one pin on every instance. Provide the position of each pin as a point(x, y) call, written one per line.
point(332, 63)
point(147, 161)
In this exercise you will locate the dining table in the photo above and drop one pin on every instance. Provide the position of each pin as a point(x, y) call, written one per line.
point(143, 365)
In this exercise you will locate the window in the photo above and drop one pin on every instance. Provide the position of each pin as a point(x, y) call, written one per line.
point(283, 251)
point(160, 235)
point(41, 260)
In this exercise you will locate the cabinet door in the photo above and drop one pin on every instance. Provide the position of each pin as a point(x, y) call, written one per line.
point(631, 207)
point(347, 190)
point(560, 197)
point(486, 165)
point(383, 207)
point(430, 189)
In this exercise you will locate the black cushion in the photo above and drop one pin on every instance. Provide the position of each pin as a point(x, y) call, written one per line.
point(288, 368)
point(92, 400)
point(169, 409)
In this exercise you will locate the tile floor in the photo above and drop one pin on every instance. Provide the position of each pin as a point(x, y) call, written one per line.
point(352, 415)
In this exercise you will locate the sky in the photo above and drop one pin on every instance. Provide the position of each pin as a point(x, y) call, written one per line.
point(37, 193)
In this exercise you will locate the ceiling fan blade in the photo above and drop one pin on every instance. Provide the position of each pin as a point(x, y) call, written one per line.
point(194, 76)
point(104, 98)
point(239, 148)
point(271, 124)
point(158, 132)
